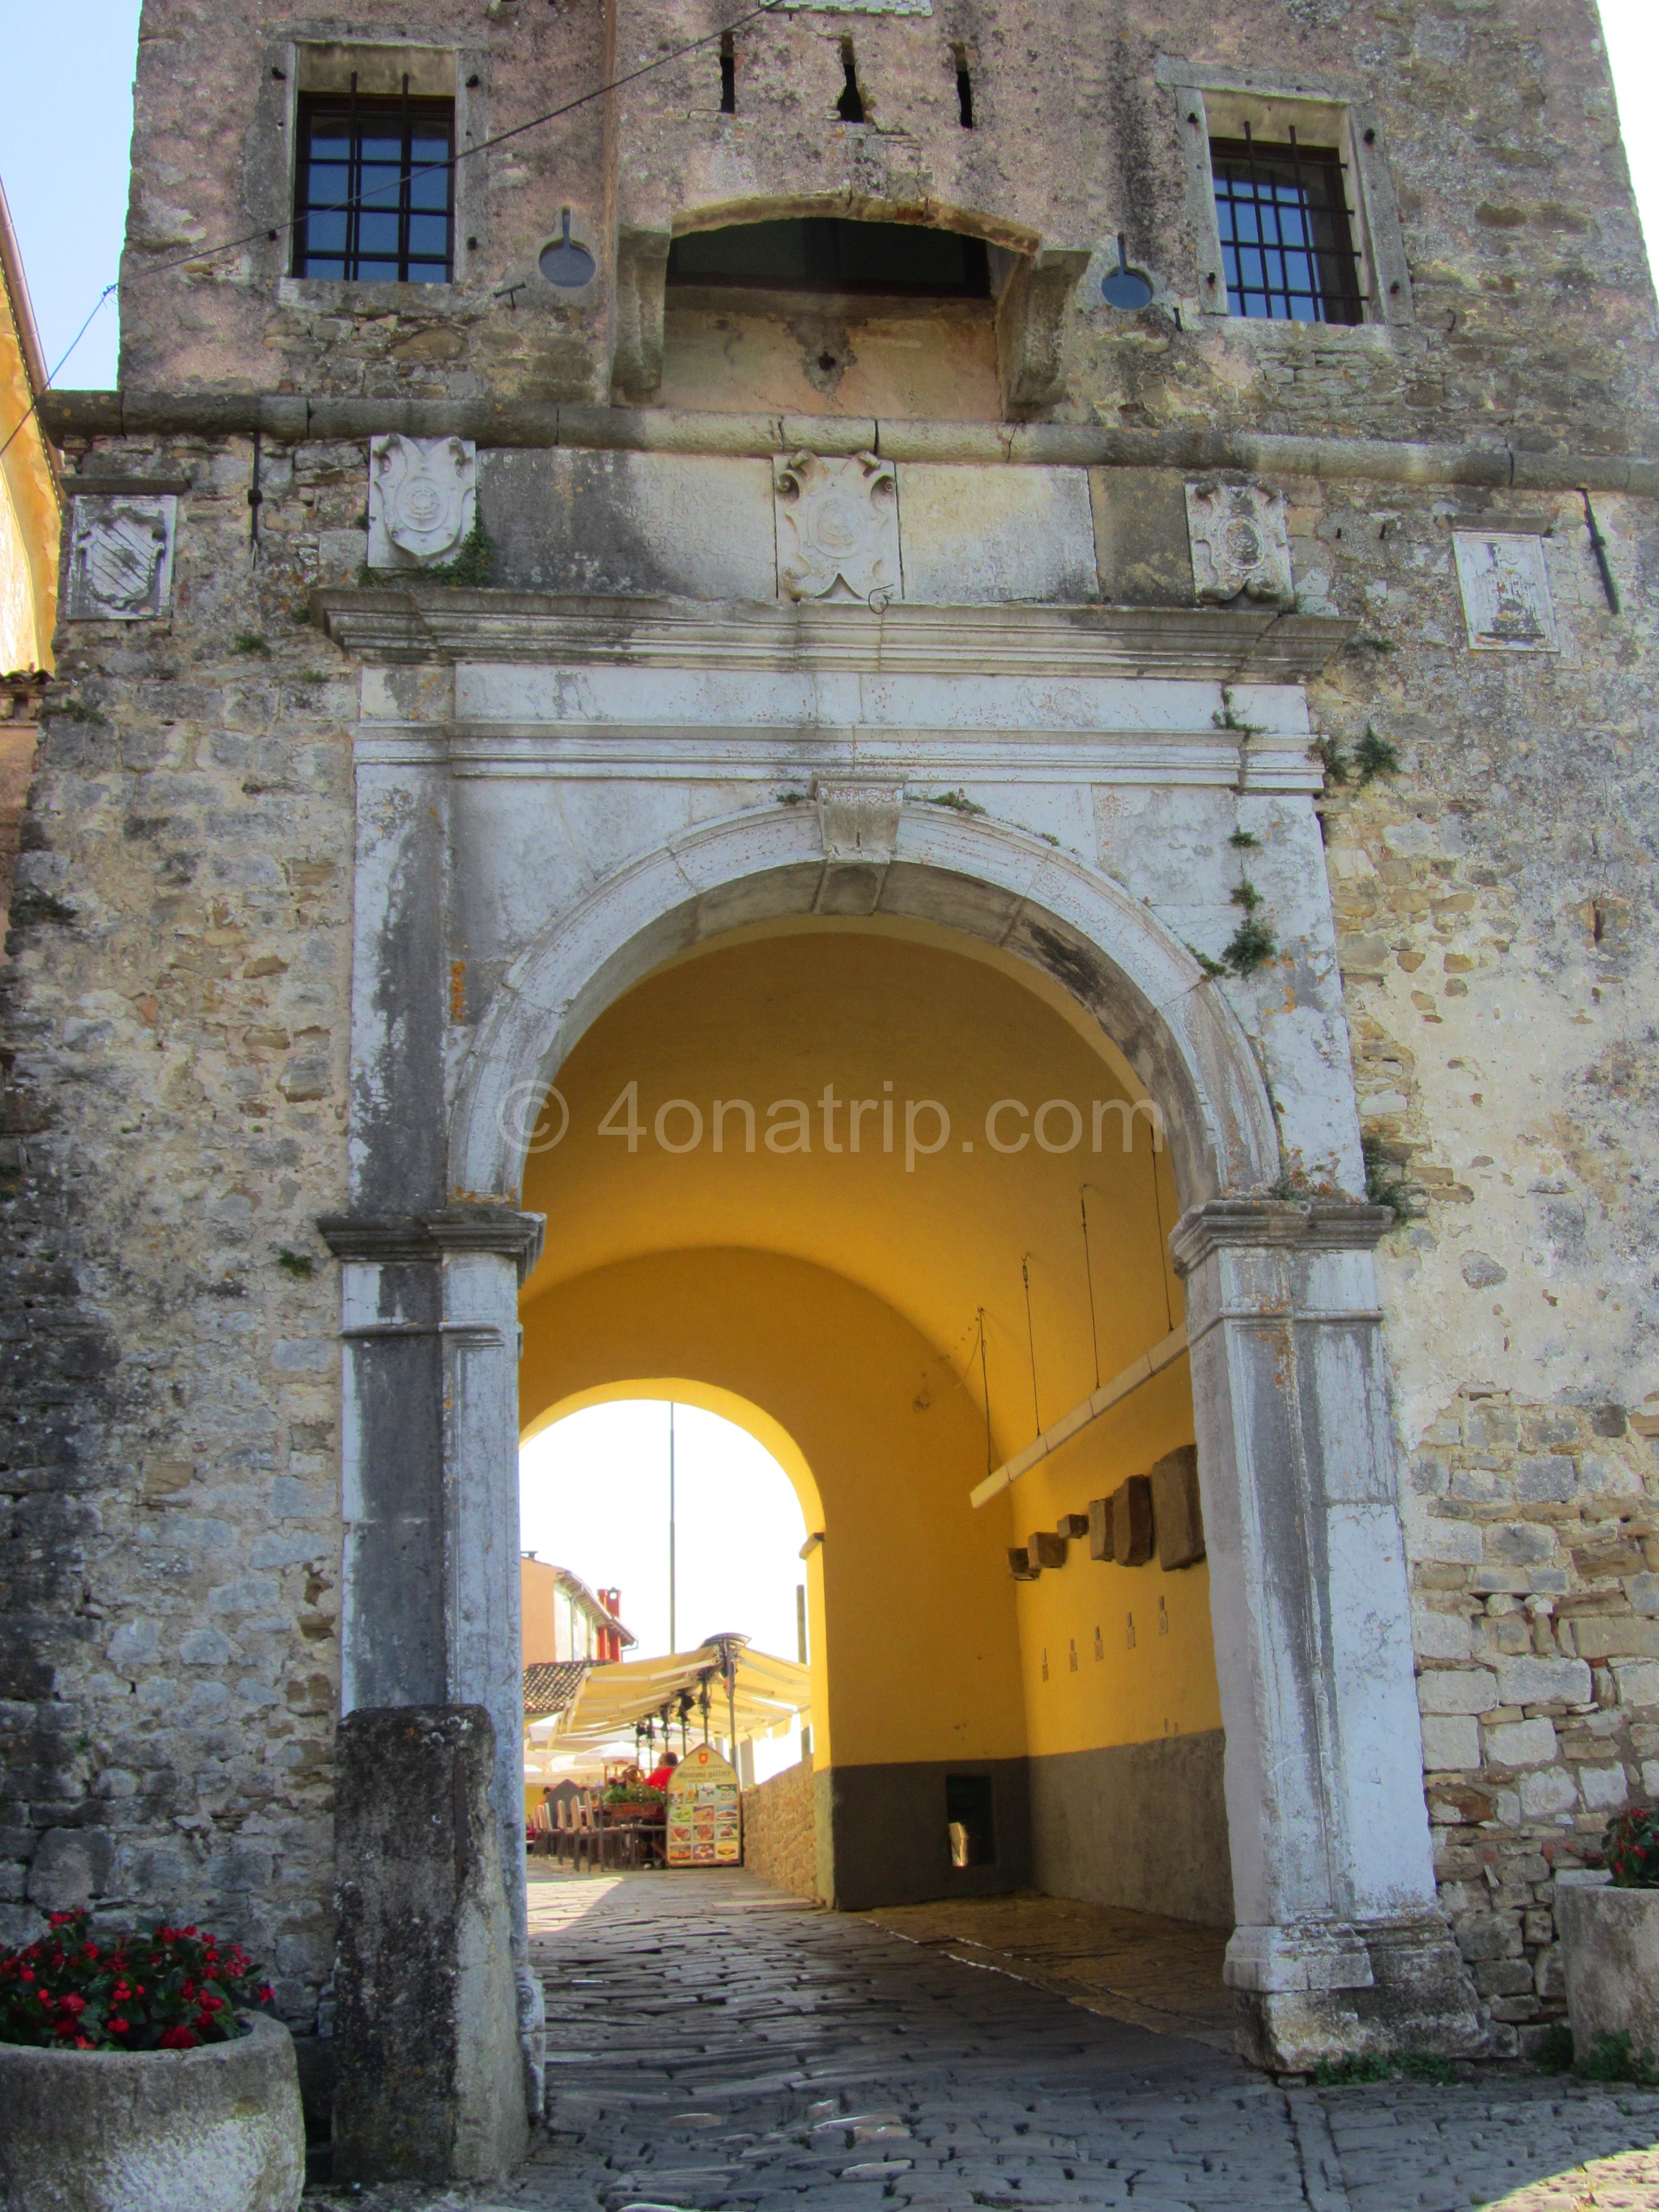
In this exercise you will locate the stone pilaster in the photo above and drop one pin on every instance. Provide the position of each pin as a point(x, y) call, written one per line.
point(429, 1487)
point(1339, 1944)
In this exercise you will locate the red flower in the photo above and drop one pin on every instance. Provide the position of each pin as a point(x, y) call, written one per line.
point(267, 1994)
point(178, 2038)
point(73, 2004)
point(26, 1975)
point(118, 2026)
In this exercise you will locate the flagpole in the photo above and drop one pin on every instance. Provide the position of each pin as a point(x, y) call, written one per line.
point(673, 1645)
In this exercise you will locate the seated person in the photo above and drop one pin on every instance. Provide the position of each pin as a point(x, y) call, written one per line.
point(660, 1776)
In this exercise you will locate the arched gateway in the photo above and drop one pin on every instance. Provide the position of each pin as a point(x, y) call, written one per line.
point(817, 762)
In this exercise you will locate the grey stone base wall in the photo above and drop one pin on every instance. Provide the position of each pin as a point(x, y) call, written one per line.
point(883, 1837)
point(1143, 1826)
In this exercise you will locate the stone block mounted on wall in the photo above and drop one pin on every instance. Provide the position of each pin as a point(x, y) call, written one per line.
point(1505, 583)
point(422, 500)
point(121, 556)
point(1178, 1517)
point(838, 529)
point(1241, 543)
point(980, 536)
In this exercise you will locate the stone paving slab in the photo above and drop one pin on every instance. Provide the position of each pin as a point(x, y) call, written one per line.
point(719, 2048)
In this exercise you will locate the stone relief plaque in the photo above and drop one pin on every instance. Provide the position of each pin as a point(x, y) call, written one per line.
point(837, 522)
point(1505, 582)
point(121, 556)
point(422, 500)
point(1240, 544)
point(859, 820)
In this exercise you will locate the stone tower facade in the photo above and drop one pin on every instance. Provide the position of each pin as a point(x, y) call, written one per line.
point(867, 448)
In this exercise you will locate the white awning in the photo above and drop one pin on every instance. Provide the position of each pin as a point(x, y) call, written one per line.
point(771, 1696)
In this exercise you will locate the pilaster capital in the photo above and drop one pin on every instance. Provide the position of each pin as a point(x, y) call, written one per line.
point(1300, 1226)
point(418, 1239)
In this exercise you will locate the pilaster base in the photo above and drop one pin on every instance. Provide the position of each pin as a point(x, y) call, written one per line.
point(1327, 1991)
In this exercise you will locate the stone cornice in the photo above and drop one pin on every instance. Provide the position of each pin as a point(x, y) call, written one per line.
point(294, 420)
point(1314, 1225)
point(421, 1239)
point(427, 623)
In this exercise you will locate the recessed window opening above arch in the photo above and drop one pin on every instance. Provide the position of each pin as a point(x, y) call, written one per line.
point(832, 254)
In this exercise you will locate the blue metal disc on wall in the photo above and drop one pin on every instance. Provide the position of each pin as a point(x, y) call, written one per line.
point(566, 264)
point(1123, 287)
point(1126, 288)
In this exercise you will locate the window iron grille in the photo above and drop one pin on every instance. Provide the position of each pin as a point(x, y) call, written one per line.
point(1287, 238)
point(374, 189)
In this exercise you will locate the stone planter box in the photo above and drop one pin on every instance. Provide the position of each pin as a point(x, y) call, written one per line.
point(216, 2129)
point(1611, 1941)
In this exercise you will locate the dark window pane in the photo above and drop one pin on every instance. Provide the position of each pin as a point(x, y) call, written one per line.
point(825, 253)
point(1287, 246)
point(373, 190)
point(329, 184)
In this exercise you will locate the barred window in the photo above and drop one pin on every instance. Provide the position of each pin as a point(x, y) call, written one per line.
point(1287, 241)
point(375, 190)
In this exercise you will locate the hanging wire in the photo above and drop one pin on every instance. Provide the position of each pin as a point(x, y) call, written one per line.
point(985, 1389)
point(270, 233)
point(1163, 1248)
point(1087, 1269)
point(1031, 1339)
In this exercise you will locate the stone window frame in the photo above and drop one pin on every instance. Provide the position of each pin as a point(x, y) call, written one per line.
point(1213, 103)
point(437, 67)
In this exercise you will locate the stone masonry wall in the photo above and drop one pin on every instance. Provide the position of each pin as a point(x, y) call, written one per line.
point(1495, 922)
point(173, 1120)
point(778, 1834)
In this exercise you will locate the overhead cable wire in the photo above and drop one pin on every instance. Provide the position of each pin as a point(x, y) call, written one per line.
point(268, 233)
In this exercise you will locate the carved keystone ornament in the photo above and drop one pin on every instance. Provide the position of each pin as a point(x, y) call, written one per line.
point(838, 533)
point(1240, 544)
point(422, 500)
point(121, 556)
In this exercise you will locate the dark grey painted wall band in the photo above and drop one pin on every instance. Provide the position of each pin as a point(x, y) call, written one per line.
point(883, 1837)
point(1143, 1826)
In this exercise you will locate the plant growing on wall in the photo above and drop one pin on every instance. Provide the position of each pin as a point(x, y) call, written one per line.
point(161, 1989)
point(1253, 943)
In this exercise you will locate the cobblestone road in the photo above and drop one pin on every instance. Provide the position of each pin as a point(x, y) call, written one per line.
point(713, 2044)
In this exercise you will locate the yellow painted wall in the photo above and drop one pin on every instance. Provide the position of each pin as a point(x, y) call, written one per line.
point(29, 511)
point(912, 1631)
point(1165, 1683)
point(838, 1294)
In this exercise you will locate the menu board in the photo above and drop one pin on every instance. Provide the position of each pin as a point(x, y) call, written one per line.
point(705, 1823)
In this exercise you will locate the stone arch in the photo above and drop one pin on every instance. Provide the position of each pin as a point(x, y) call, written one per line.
point(984, 878)
point(932, 215)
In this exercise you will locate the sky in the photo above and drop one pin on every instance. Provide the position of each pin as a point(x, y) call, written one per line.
point(593, 1492)
point(64, 154)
